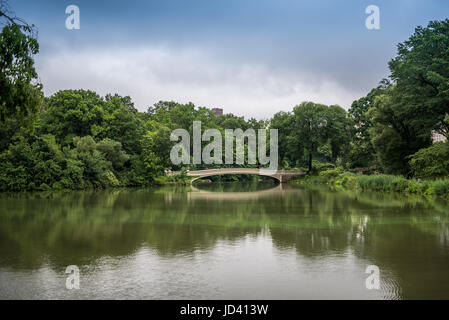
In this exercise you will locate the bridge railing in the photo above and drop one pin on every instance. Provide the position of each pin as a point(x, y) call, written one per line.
point(257, 171)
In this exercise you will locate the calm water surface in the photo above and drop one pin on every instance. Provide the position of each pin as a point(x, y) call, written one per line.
point(223, 241)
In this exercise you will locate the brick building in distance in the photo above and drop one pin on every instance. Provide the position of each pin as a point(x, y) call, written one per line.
point(217, 111)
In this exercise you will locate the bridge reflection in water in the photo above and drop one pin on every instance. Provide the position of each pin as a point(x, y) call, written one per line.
point(198, 193)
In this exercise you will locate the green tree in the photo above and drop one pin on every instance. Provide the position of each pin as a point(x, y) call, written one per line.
point(310, 127)
point(405, 114)
point(97, 170)
point(362, 152)
point(337, 131)
point(421, 72)
point(113, 152)
point(73, 113)
point(394, 135)
point(20, 92)
point(32, 162)
point(289, 153)
point(156, 147)
point(122, 123)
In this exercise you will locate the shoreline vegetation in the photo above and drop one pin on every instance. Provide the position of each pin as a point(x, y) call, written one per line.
point(344, 179)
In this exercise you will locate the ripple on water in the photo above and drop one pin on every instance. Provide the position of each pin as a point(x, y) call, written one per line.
point(390, 287)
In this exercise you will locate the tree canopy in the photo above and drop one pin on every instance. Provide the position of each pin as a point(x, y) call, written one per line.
point(20, 92)
point(417, 101)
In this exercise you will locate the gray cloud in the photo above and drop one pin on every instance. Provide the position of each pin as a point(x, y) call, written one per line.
point(204, 76)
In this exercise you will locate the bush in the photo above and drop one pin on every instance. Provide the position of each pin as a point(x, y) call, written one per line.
point(318, 166)
point(310, 179)
point(399, 184)
point(331, 173)
point(441, 188)
point(432, 162)
point(347, 180)
point(419, 187)
point(178, 179)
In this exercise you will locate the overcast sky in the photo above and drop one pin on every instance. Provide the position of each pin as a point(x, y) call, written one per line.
point(249, 57)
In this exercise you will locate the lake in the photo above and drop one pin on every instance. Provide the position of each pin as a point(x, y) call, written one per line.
point(223, 241)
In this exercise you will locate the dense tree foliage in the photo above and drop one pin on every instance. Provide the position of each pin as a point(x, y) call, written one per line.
point(20, 92)
point(421, 73)
point(311, 131)
point(82, 140)
point(417, 101)
point(361, 151)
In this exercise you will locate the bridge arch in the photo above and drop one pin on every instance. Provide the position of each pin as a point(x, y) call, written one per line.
point(222, 174)
point(280, 175)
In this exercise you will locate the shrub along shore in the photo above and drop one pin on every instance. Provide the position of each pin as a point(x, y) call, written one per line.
point(379, 182)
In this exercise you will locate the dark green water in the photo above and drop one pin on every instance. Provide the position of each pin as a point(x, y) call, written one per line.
point(223, 241)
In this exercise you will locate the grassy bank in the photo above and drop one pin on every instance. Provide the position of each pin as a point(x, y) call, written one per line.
point(179, 180)
point(381, 182)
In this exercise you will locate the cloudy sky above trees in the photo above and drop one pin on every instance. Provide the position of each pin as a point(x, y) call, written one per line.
point(252, 57)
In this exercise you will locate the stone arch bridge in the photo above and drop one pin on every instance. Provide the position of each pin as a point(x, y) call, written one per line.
point(280, 175)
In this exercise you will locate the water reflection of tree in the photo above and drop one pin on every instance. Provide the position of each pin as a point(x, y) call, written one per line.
point(80, 227)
